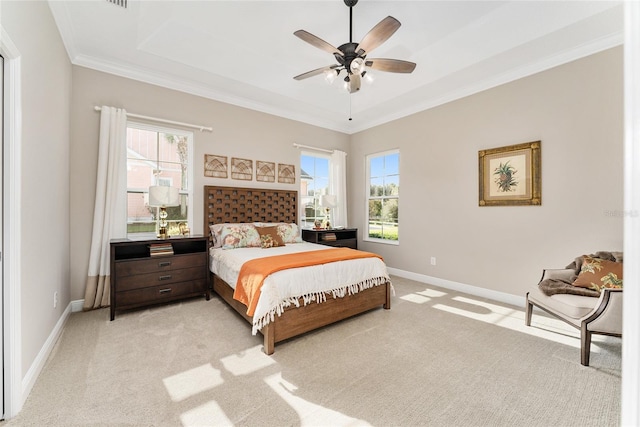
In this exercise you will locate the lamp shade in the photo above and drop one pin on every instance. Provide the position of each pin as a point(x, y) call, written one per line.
point(328, 201)
point(163, 196)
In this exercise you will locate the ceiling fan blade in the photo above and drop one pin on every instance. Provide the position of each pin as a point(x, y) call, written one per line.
point(354, 83)
point(317, 42)
point(378, 35)
point(390, 65)
point(315, 72)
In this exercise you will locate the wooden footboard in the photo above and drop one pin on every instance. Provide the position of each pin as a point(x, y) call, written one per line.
point(295, 321)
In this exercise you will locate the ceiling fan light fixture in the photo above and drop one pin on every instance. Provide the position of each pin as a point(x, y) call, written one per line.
point(330, 75)
point(357, 65)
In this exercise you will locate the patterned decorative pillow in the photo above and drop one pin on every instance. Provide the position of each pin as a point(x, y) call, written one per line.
point(598, 274)
point(216, 230)
point(269, 237)
point(290, 233)
point(233, 236)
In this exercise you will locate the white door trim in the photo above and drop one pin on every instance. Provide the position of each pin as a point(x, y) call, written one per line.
point(11, 226)
point(631, 317)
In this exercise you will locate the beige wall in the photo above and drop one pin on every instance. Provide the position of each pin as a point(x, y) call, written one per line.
point(237, 132)
point(44, 235)
point(576, 110)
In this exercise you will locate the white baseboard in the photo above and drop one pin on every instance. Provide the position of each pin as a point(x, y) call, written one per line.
point(36, 367)
point(518, 301)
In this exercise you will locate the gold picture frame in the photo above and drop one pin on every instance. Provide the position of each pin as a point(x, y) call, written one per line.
point(510, 176)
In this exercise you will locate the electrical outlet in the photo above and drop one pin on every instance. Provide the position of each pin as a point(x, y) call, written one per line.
point(55, 299)
point(433, 260)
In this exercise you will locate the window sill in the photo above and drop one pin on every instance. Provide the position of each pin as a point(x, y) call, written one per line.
point(383, 241)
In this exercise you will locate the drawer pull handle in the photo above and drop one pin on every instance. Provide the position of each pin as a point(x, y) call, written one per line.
point(164, 291)
point(167, 277)
point(164, 264)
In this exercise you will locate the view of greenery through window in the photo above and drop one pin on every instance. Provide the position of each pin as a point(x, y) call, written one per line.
point(383, 172)
point(156, 157)
point(314, 182)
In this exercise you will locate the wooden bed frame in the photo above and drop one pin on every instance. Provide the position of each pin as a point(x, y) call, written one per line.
point(236, 205)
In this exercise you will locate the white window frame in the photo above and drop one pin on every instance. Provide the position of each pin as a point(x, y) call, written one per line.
point(190, 168)
point(365, 236)
point(330, 177)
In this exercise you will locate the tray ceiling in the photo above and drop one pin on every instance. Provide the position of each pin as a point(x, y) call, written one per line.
point(245, 53)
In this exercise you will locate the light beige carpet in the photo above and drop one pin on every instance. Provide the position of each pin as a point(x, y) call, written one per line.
point(437, 358)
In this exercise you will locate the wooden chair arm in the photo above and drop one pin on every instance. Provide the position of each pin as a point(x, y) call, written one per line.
point(607, 315)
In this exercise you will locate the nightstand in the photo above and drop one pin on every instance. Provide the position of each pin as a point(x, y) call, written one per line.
point(344, 238)
point(154, 271)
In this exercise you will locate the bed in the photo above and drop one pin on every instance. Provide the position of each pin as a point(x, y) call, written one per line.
point(292, 316)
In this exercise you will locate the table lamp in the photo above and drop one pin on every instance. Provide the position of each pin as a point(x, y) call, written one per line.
point(162, 196)
point(328, 201)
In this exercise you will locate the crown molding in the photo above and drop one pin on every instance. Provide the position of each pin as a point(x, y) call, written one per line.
point(351, 127)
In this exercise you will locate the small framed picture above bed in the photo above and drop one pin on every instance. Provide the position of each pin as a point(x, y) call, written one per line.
point(286, 174)
point(265, 171)
point(215, 166)
point(241, 169)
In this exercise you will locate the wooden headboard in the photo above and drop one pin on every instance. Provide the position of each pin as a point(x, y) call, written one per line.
point(235, 204)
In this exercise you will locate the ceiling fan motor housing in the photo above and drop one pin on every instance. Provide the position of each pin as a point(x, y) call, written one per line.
point(349, 54)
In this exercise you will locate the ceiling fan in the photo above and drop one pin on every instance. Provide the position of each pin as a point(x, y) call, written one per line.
point(352, 57)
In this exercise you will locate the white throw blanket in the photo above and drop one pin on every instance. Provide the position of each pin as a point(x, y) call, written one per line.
point(283, 288)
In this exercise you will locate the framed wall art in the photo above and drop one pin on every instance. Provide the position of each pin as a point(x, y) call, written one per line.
point(241, 169)
point(265, 171)
point(215, 166)
point(510, 176)
point(286, 174)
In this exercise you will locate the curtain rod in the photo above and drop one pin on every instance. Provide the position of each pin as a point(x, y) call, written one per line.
point(312, 148)
point(155, 119)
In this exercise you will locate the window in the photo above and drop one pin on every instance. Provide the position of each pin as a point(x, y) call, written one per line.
point(383, 182)
point(157, 156)
point(314, 182)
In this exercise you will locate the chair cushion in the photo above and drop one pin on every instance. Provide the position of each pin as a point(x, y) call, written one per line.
point(570, 306)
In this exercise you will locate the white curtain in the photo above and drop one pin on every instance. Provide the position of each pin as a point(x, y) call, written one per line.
point(339, 187)
point(110, 210)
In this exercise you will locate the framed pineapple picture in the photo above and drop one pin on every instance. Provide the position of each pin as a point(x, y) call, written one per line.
point(510, 176)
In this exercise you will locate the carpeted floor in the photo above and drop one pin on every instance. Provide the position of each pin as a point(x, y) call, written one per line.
point(437, 358)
